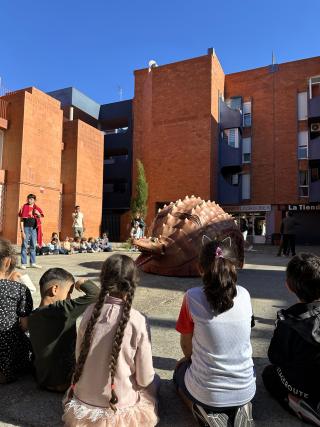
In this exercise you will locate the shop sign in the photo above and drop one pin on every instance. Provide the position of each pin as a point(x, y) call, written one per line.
point(248, 208)
point(305, 207)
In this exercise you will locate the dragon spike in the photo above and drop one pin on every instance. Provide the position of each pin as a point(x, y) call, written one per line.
point(192, 197)
point(159, 210)
point(171, 203)
point(187, 197)
point(164, 206)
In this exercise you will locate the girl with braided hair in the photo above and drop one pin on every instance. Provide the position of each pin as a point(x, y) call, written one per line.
point(114, 382)
point(216, 377)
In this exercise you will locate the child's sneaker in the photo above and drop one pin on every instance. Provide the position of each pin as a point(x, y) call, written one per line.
point(35, 266)
point(243, 416)
point(23, 266)
point(207, 419)
point(303, 410)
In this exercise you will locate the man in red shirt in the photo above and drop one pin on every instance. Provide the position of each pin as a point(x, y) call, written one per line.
point(31, 233)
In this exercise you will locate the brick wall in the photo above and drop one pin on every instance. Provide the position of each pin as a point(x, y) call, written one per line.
point(82, 176)
point(175, 128)
point(32, 158)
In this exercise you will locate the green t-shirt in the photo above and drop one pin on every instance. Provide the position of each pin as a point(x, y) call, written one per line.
point(53, 336)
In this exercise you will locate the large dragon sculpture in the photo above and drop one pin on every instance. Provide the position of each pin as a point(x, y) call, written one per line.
point(175, 237)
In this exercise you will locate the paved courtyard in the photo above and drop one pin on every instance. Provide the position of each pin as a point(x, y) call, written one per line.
point(22, 404)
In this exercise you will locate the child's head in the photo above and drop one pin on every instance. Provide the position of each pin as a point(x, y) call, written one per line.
point(219, 275)
point(54, 241)
point(83, 240)
point(303, 277)
point(54, 236)
point(105, 234)
point(91, 240)
point(77, 239)
point(67, 239)
point(7, 257)
point(57, 284)
point(118, 278)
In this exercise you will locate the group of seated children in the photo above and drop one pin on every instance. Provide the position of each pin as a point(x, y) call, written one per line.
point(74, 246)
point(107, 371)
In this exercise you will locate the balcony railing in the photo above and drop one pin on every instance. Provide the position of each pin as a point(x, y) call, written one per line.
point(314, 108)
point(229, 117)
point(3, 109)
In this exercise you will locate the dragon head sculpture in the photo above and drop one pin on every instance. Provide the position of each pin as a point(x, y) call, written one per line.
point(175, 237)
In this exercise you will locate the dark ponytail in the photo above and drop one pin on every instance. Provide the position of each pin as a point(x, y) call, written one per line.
point(219, 274)
point(118, 276)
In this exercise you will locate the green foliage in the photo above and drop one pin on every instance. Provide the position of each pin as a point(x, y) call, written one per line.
point(140, 201)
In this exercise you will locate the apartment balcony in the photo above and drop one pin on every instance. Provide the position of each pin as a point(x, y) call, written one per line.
point(228, 194)
point(228, 155)
point(229, 117)
point(114, 141)
point(314, 191)
point(117, 168)
point(314, 109)
point(117, 200)
point(3, 114)
point(314, 148)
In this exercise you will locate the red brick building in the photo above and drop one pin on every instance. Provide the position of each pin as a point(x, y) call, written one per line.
point(59, 160)
point(249, 140)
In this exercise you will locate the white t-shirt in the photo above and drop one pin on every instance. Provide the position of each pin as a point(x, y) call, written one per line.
point(77, 220)
point(221, 373)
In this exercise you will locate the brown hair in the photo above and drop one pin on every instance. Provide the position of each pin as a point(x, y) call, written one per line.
point(303, 276)
point(7, 251)
point(219, 274)
point(118, 276)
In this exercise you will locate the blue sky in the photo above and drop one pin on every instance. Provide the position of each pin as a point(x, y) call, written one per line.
point(96, 45)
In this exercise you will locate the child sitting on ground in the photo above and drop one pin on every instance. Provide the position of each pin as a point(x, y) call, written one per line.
point(215, 326)
point(114, 381)
point(66, 245)
point(90, 245)
point(105, 245)
point(75, 245)
point(52, 327)
point(294, 376)
point(15, 305)
point(83, 245)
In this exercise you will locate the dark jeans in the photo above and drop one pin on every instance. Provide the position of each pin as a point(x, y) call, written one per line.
point(289, 242)
point(178, 380)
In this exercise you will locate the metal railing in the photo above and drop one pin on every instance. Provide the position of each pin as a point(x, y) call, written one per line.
point(3, 109)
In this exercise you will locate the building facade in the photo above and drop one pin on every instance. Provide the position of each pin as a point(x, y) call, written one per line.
point(58, 159)
point(248, 140)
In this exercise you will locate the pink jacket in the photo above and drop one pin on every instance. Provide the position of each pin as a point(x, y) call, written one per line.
point(134, 369)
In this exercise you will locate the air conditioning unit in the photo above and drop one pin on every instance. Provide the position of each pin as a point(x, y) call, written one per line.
point(315, 127)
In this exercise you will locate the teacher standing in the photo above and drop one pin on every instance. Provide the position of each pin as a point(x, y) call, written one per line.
point(78, 222)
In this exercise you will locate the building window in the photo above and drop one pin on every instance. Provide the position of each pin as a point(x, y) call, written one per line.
point(247, 114)
point(304, 183)
point(235, 179)
point(302, 106)
point(246, 186)
point(246, 150)
point(303, 144)
point(232, 137)
point(234, 103)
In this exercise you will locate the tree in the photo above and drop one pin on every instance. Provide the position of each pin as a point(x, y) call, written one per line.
point(139, 202)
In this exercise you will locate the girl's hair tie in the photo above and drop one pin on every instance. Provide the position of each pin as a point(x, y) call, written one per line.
point(113, 386)
point(219, 253)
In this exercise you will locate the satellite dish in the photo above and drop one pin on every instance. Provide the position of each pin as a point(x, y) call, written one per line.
point(152, 64)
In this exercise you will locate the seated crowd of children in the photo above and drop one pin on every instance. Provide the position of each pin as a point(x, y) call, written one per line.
point(75, 245)
point(106, 367)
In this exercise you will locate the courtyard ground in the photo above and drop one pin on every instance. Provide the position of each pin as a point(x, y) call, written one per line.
point(22, 404)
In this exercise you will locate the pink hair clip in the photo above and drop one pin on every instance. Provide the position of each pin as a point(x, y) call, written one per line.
point(218, 253)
